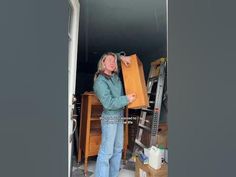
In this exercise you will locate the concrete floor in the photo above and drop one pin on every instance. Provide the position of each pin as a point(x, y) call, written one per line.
point(77, 170)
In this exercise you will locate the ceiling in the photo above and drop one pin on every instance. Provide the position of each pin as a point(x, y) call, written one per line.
point(133, 26)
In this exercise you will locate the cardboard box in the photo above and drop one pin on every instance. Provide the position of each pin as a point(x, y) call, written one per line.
point(155, 67)
point(162, 139)
point(134, 82)
point(144, 170)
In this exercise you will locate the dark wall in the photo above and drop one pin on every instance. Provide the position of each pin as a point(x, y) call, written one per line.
point(133, 26)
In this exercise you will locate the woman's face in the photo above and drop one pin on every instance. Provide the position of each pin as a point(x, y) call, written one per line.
point(109, 63)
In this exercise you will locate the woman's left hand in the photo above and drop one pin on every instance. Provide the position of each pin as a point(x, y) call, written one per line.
point(126, 60)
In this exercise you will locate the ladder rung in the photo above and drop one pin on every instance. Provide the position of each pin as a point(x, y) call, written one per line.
point(147, 121)
point(147, 110)
point(155, 78)
point(151, 93)
point(140, 144)
point(144, 127)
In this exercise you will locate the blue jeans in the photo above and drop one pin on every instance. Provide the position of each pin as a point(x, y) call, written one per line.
point(109, 155)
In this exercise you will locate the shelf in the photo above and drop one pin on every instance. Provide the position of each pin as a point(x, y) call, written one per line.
point(95, 118)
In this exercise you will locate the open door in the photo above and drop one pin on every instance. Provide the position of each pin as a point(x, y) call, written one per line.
point(72, 66)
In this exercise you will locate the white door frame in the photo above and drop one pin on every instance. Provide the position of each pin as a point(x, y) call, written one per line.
point(72, 67)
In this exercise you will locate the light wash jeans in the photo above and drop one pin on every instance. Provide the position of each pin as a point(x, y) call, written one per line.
point(109, 155)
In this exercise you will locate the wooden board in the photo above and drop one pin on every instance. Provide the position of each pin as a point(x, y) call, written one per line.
point(134, 82)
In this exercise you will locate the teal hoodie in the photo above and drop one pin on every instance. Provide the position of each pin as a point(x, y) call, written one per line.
point(109, 91)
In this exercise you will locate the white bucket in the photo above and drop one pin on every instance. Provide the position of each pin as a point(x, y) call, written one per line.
point(155, 158)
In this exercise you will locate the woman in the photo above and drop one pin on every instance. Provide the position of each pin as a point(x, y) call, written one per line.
point(108, 88)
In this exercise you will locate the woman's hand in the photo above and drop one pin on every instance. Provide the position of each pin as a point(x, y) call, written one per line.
point(126, 60)
point(131, 97)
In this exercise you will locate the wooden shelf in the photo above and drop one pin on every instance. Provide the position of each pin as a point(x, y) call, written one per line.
point(95, 118)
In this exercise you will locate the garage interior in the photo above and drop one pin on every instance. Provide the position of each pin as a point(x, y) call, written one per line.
point(133, 26)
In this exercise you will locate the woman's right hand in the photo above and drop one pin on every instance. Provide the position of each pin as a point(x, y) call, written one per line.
point(126, 60)
point(131, 97)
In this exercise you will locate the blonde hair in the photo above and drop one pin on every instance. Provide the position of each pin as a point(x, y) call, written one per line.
point(100, 67)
